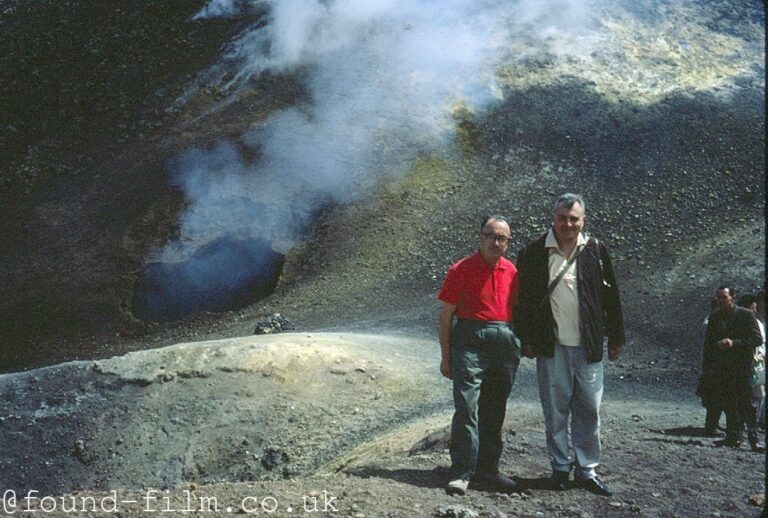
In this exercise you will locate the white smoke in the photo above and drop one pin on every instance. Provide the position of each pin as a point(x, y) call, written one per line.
point(382, 76)
point(222, 9)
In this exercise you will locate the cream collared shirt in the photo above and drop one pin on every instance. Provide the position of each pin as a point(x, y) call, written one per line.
point(565, 297)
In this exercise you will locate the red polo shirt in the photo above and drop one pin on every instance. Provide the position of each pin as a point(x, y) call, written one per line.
point(481, 291)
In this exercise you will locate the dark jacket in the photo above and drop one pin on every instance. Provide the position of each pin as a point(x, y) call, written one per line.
point(740, 326)
point(599, 305)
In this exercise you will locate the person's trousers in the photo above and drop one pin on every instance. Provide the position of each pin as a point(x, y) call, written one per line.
point(570, 386)
point(712, 398)
point(737, 403)
point(484, 361)
point(712, 420)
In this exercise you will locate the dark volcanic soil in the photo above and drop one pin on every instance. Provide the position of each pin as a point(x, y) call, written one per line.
point(660, 125)
point(671, 164)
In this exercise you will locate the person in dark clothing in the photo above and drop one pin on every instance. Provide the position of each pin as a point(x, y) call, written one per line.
point(569, 301)
point(729, 346)
point(710, 398)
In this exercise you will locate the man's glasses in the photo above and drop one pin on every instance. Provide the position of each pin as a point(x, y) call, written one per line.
point(503, 240)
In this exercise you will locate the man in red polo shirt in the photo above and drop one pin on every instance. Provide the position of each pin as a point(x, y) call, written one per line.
point(480, 353)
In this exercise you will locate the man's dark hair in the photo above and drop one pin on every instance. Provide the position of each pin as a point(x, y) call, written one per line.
point(731, 291)
point(746, 300)
point(495, 217)
point(567, 200)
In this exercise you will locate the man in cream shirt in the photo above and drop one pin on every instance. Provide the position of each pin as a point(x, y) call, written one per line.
point(569, 298)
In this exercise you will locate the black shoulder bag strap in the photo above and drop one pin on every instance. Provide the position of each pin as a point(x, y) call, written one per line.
point(553, 284)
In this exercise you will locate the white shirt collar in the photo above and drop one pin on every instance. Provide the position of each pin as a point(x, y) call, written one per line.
point(551, 240)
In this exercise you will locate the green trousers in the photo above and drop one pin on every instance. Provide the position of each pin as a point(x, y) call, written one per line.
point(484, 361)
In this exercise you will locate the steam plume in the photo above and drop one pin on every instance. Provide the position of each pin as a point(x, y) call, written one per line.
point(382, 76)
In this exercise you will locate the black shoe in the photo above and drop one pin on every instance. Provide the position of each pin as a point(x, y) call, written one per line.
point(729, 443)
point(559, 480)
point(712, 433)
point(596, 486)
point(496, 481)
point(457, 487)
point(753, 444)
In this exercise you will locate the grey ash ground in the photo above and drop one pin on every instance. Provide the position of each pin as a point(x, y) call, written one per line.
point(661, 127)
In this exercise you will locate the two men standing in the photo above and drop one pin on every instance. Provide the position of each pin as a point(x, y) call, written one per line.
point(567, 297)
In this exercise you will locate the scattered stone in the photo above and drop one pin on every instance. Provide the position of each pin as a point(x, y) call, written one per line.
point(275, 323)
point(80, 453)
point(273, 457)
point(455, 511)
point(757, 500)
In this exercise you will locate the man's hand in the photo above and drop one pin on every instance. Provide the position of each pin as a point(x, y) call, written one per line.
point(528, 351)
point(444, 327)
point(614, 353)
point(725, 343)
point(445, 367)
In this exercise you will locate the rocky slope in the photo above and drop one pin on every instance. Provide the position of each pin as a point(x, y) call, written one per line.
point(661, 128)
point(655, 115)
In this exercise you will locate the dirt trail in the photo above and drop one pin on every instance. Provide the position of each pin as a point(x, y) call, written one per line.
point(364, 418)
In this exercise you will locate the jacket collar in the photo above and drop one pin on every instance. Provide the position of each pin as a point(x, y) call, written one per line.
point(550, 241)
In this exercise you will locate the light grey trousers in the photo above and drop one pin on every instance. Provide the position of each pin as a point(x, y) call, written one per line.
point(571, 386)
